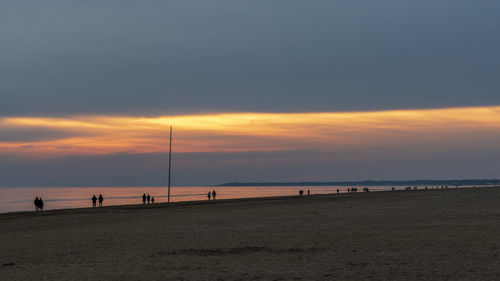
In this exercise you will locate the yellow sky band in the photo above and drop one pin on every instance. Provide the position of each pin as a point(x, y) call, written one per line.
point(244, 131)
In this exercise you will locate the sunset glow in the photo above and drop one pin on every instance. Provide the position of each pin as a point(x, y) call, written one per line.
point(243, 131)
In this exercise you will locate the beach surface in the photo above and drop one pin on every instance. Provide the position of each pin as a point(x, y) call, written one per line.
point(448, 234)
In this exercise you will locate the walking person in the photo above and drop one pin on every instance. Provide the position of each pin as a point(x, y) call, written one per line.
point(144, 198)
point(36, 203)
point(94, 200)
point(208, 195)
point(213, 194)
point(100, 200)
point(149, 198)
point(40, 204)
point(152, 200)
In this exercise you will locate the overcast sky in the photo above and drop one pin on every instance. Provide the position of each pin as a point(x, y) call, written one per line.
point(163, 57)
point(61, 59)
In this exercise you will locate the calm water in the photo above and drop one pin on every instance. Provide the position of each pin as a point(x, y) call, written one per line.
point(21, 198)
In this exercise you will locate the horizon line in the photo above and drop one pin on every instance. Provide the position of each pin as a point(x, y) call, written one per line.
point(264, 183)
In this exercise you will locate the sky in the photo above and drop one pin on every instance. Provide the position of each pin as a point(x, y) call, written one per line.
point(255, 91)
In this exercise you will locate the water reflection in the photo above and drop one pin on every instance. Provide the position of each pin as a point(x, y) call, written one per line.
point(21, 198)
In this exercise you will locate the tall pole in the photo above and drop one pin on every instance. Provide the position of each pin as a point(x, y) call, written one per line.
point(169, 163)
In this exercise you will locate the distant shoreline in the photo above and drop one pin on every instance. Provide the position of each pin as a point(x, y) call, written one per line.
point(463, 182)
point(450, 182)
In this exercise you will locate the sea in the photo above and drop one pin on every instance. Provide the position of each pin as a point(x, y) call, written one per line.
point(15, 199)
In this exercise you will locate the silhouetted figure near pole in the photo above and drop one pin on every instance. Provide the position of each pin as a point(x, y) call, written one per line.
point(148, 198)
point(213, 194)
point(144, 198)
point(152, 200)
point(209, 194)
point(100, 200)
point(40, 204)
point(94, 200)
point(36, 203)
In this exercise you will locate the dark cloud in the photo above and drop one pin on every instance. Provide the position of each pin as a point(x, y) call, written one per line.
point(161, 57)
point(388, 163)
point(30, 134)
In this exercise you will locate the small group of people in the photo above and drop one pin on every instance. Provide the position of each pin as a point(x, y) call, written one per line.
point(38, 204)
point(148, 198)
point(352, 189)
point(94, 200)
point(301, 192)
point(212, 194)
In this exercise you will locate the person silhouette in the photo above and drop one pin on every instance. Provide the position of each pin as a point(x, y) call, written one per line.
point(152, 200)
point(144, 198)
point(94, 200)
point(213, 194)
point(208, 195)
point(40, 204)
point(308, 192)
point(149, 198)
point(36, 203)
point(100, 200)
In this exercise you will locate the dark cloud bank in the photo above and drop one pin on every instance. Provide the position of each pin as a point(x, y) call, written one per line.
point(162, 57)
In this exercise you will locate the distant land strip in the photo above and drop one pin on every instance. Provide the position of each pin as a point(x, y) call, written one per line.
point(463, 182)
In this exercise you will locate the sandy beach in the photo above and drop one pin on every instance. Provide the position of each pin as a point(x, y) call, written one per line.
point(403, 235)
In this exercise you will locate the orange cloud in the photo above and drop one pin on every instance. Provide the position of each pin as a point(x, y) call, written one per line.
point(249, 131)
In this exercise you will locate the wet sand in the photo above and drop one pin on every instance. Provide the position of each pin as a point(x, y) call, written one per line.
point(403, 235)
